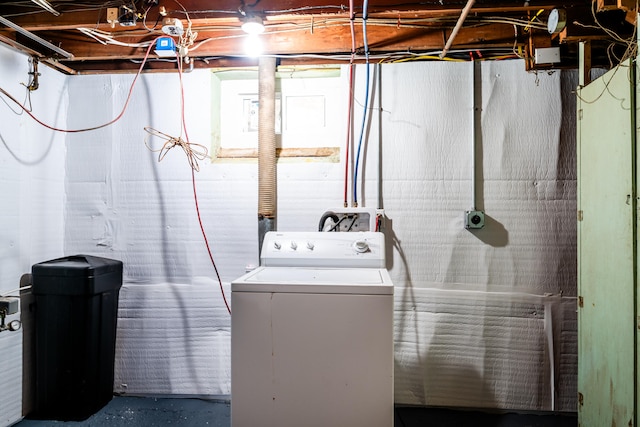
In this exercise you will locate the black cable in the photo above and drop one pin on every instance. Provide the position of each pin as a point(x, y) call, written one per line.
point(325, 217)
point(337, 224)
point(355, 217)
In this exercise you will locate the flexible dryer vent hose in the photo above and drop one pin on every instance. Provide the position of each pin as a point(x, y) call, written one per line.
point(266, 138)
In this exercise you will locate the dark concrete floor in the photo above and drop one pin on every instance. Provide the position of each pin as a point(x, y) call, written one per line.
point(148, 411)
point(145, 411)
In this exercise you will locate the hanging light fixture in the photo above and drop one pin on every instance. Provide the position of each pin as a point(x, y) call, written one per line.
point(46, 6)
point(253, 25)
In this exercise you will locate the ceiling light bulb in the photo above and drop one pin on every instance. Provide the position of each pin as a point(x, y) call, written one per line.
point(253, 25)
point(253, 46)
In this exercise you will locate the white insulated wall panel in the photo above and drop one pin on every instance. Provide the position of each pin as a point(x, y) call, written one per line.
point(427, 178)
point(173, 339)
point(526, 186)
point(472, 349)
point(124, 204)
point(32, 160)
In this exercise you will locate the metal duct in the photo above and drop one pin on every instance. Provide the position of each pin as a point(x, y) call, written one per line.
point(266, 147)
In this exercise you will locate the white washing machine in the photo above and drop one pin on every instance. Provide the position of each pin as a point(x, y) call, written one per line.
point(312, 333)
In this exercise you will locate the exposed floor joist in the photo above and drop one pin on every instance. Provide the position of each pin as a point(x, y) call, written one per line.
point(319, 30)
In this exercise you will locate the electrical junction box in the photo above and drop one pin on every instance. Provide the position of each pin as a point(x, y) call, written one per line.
point(348, 219)
point(9, 306)
point(473, 219)
point(126, 17)
point(547, 55)
point(165, 47)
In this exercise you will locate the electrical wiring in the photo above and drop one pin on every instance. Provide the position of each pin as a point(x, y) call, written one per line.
point(352, 29)
point(535, 17)
point(243, 6)
point(8, 293)
point(105, 38)
point(386, 57)
point(433, 57)
point(515, 43)
point(23, 108)
point(206, 241)
point(605, 89)
point(304, 9)
point(193, 151)
point(437, 58)
point(350, 227)
point(118, 117)
point(62, 7)
point(630, 52)
point(420, 23)
point(325, 217)
point(144, 21)
point(349, 136)
point(276, 28)
point(188, 40)
point(195, 195)
point(199, 153)
point(337, 224)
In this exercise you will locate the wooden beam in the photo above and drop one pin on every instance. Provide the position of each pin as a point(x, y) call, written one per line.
point(323, 40)
point(293, 27)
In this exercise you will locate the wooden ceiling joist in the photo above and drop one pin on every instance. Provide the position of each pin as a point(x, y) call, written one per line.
point(293, 27)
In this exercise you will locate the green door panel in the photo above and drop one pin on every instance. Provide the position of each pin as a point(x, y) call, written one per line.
point(606, 250)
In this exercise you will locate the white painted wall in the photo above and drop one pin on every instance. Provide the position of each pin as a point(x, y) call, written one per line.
point(32, 161)
point(479, 317)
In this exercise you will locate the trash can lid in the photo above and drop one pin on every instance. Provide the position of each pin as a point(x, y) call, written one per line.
point(77, 265)
point(76, 275)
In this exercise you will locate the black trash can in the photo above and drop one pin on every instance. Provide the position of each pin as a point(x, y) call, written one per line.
point(76, 311)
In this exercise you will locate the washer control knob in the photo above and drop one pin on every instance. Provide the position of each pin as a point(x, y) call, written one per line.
point(310, 246)
point(361, 246)
point(294, 245)
point(277, 245)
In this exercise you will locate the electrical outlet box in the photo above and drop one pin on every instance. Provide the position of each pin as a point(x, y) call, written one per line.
point(473, 219)
point(348, 219)
point(112, 16)
point(9, 305)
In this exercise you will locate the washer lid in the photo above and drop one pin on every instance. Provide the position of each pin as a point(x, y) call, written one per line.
point(370, 281)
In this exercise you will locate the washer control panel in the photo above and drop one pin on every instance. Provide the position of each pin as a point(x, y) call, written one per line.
point(323, 249)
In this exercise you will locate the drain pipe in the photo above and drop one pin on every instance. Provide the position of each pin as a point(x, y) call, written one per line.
point(266, 148)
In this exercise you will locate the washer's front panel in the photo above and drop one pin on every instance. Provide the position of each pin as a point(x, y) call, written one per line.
point(311, 360)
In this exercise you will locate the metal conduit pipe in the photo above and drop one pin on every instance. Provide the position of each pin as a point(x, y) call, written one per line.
point(266, 147)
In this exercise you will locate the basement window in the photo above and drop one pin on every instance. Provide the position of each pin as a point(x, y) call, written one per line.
point(309, 103)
